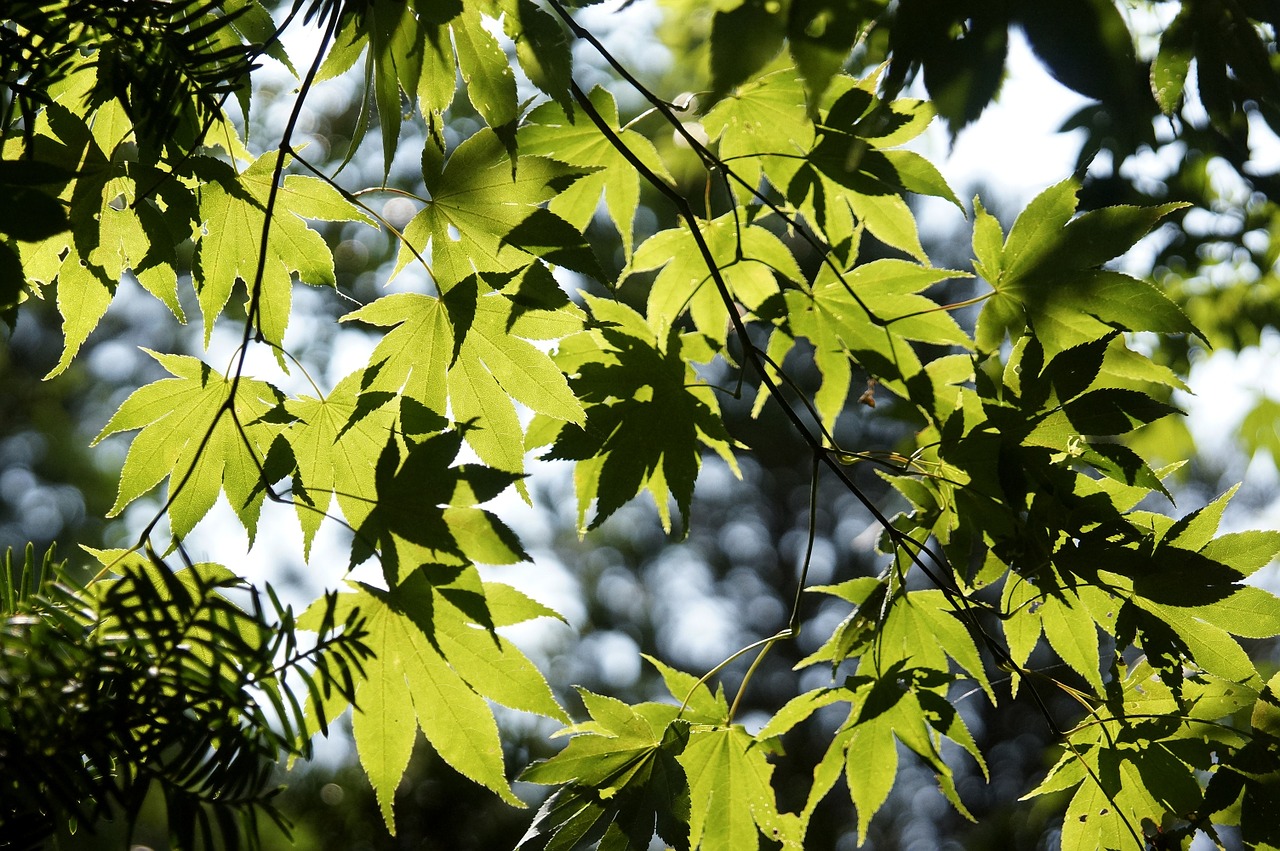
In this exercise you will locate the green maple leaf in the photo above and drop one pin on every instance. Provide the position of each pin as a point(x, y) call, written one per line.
point(731, 794)
point(425, 508)
point(112, 231)
point(700, 705)
point(607, 751)
point(623, 780)
point(550, 132)
point(1122, 789)
point(542, 48)
point(904, 703)
point(859, 629)
point(430, 673)
point(476, 201)
point(646, 413)
point(84, 294)
point(767, 124)
point(1064, 619)
point(416, 51)
point(413, 357)
point(334, 451)
point(473, 351)
point(1049, 274)
point(923, 628)
point(850, 178)
point(876, 329)
point(766, 118)
point(233, 211)
point(175, 415)
point(749, 258)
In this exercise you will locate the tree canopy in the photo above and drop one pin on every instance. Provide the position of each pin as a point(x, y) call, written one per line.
point(1028, 547)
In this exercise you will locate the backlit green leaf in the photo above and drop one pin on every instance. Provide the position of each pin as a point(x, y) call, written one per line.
point(416, 682)
point(476, 201)
point(550, 133)
point(197, 436)
point(1050, 275)
point(750, 261)
point(732, 799)
point(646, 414)
point(234, 213)
point(482, 368)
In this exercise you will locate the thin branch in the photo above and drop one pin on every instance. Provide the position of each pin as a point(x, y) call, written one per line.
point(255, 289)
point(709, 160)
point(915, 550)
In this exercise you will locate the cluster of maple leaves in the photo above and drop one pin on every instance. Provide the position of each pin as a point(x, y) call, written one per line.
point(1020, 493)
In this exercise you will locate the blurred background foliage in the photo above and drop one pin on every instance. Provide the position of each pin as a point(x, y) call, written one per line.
point(730, 582)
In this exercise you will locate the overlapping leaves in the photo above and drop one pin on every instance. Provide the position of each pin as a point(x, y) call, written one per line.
point(568, 137)
point(471, 351)
point(483, 214)
point(1018, 473)
point(414, 50)
point(202, 436)
point(682, 773)
point(437, 659)
point(749, 259)
point(233, 210)
point(114, 228)
point(871, 316)
point(646, 414)
point(844, 171)
point(1049, 274)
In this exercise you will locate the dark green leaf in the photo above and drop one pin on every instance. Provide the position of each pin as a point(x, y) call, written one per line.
point(743, 40)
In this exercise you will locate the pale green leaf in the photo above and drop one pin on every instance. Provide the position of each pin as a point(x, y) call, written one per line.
point(750, 261)
point(762, 120)
point(1070, 630)
point(701, 706)
point(550, 133)
point(988, 243)
point(84, 295)
point(385, 726)
point(1093, 821)
point(798, 708)
point(188, 435)
point(952, 634)
point(486, 72)
point(509, 606)
point(233, 210)
point(491, 664)
point(1249, 612)
point(921, 176)
point(413, 357)
point(732, 799)
point(1211, 647)
point(871, 766)
point(1021, 625)
point(476, 201)
point(871, 314)
point(495, 365)
point(335, 453)
point(1246, 552)
point(409, 685)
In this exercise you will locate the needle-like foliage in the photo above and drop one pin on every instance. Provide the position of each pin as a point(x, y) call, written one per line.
point(189, 683)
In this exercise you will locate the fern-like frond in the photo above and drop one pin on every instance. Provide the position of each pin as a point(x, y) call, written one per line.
point(169, 62)
point(154, 679)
